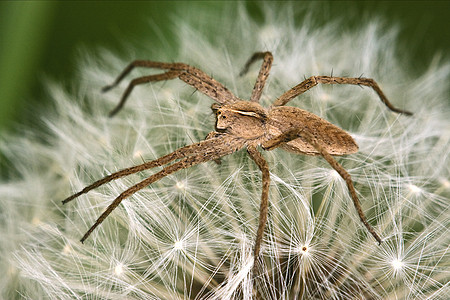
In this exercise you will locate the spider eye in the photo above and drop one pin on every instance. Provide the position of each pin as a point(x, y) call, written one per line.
point(220, 115)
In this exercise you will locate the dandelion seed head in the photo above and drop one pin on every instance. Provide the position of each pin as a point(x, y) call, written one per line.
point(414, 189)
point(66, 249)
point(180, 185)
point(334, 175)
point(36, 221)
point(178, 245)
point(445, 183)
point(269, 33)
point(167, 93)
point(189, 236)
point(119, 269)
point(304, 250)
point(137, 154)
point(324, 96)
point(11, 271)
point(397, 265)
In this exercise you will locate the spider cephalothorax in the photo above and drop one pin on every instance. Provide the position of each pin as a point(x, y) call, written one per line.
point(243, 119)
point(246, 124)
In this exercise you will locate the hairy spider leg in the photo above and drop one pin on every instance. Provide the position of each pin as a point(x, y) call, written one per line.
point(264, 206)
point(191, 75)
point(141, 80)
point(263, 72)
point(207, 150)
point(294, 133)
point(197, 148)
point(314, 80)
point(185, 163)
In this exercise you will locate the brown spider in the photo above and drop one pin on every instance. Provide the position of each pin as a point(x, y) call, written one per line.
point(246, 124)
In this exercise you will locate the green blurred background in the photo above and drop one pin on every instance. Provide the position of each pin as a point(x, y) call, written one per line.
point(42, 39)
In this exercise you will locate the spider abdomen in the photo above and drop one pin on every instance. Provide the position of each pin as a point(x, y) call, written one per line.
point(335, 140)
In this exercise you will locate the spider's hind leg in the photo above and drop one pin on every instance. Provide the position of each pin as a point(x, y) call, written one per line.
point(304, 134)
point(312, 81)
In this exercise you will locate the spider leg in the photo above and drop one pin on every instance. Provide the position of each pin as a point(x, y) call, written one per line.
point(141, 80)
point(222, 146)
point(264, 207)
point(295, 133)
point(185, 163)
point(263, 72)
point(210, 136)
point(197, 148)
point(191, 75)
point(314, 80)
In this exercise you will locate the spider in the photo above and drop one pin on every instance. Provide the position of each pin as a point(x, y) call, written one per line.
point(245, 124)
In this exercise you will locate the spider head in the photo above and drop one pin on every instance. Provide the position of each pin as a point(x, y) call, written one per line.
point(243, 119)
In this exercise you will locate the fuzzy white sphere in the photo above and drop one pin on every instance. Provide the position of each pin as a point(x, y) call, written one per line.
point(191, 234)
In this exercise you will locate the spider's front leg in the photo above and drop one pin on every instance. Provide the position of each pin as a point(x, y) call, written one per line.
point(304, 134)
point(182, 164)
point(314, 80)
point(209, 136)
point(185, 151)
point(211, 149)
point(191, 75)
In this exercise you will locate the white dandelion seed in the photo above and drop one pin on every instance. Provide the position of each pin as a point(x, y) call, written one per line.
point(118, 270)
point(180, 185)
point(397, 265)
point(178, 245)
